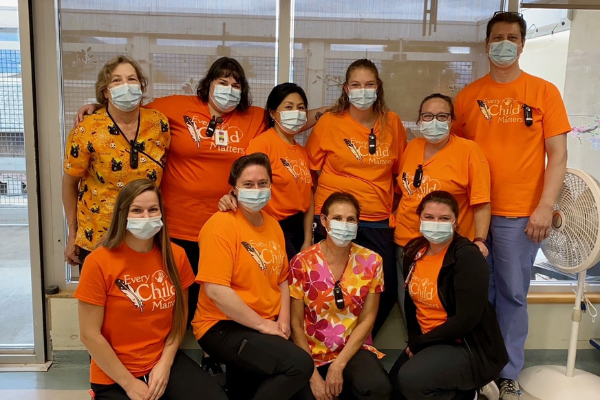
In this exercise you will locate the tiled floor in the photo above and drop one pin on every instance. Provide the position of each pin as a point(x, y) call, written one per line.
point(67, 379)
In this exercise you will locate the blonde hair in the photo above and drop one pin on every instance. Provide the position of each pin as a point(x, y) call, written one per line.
point(104, 76)
point(343, 103)
point(116, 235)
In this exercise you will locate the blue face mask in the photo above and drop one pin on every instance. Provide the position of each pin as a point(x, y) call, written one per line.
point(341, 233)
point(503, 54)
point(434, 131)
point(362, 98)
point(253, 200)
point(226, 98)
point(126, 97)
point(437, 232)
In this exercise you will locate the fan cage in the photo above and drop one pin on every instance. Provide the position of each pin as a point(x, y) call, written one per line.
point(574, 242)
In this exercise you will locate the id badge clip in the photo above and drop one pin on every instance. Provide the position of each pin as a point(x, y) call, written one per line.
point(221, 137)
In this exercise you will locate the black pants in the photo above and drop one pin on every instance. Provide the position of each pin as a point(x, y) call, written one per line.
point(192, 250)
point(381, 241)
point(364, 378)
point(293, 231)
point(83, 253)
point(259, 367)
point(186, 381)
point(440, 372)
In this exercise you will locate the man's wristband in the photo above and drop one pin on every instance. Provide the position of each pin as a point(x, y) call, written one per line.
point(480, 239)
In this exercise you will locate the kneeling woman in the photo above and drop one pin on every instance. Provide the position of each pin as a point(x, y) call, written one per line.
point(335, 287)
point(454, 341)
point(132, 307)
point(243, 314)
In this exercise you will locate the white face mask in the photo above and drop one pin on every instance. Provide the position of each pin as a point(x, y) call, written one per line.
point(126, 97)
point(437, 232)
point(434, 131)
point(503, 54)
point(292, 121)
point(362, 98)
point(226, 98)
point(144, 228)
point(253, 200)
point(341, 233)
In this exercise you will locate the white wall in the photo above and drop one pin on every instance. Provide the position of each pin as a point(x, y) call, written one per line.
point(546, 57)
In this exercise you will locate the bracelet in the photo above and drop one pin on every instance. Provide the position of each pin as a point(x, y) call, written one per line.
point(480, 239)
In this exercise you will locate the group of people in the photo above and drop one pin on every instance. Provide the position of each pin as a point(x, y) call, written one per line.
point(285, 260)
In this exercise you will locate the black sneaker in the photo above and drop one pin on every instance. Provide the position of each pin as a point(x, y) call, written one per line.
point(211, 366)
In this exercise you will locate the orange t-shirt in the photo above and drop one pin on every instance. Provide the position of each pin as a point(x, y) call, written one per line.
point(491, 114)
point(460, 168)
point(196, 177)
point(339, 147)
point(138, 300)
point(292, 184)
point(251, 260)
point(423, 290)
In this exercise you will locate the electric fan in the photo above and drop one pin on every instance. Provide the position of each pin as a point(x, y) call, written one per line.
point(573, 246)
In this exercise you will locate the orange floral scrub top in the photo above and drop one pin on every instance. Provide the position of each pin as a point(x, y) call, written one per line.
point(328, 328)
point(99, 154)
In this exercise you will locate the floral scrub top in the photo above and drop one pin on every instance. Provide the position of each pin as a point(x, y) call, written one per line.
point(99, 154)
point(327, 327)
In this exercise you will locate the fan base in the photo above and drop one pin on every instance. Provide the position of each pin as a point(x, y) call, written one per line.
point(549, 382)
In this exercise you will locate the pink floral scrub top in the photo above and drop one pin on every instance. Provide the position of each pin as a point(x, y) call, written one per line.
point(328, 328)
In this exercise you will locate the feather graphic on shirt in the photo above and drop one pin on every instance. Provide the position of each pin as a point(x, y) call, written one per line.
point(485, 110)
point(130, 293)
point(353, 150)
point(288, 166)
point(406, 184)
point(193, 128)
point(255, 255)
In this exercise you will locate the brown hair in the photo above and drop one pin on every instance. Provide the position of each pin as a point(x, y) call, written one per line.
point(343, 103)
point(340, 197)
point(437, 196)
point(116, 235)
point(105, 73)
point(226, 67)
point(447, 99)
point(243, 162)
point(509, 18)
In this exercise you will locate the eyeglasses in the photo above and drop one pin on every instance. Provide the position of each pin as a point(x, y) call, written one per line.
point(508, 12)
point(442, 117)
point(418, 176)
point(372, 142)
point(338, 296)
point(133, 159)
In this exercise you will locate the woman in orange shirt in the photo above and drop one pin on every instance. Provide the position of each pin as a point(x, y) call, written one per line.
point(440, 161)
point(356, 148)
point(209, 132)
point(455, 345)
point(243, 313)
point(291, 196)
point(132, 307)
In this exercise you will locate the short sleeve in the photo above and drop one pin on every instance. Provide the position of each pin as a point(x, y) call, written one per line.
point(77, 156)
point(377, 284)
point(257, 146)
point(555, 121)
point(479, 176)
point(92, 286)
point(401, 137)
point(216, 256)
point(186, 274)
point(459, 115)
point(296, 278)
point(285, 271)
point(316, 154)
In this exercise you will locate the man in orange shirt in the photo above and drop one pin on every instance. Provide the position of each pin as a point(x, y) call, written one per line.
point(517, 119)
